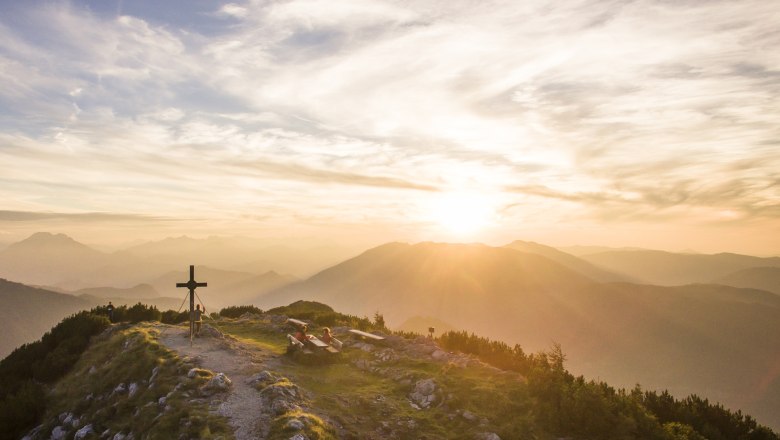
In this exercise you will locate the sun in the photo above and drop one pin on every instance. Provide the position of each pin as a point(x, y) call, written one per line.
point(462, 212)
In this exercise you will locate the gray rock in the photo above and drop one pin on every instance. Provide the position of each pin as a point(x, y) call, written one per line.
point(282, 406)
point(106, 433)
point(423, 394)
point(75, 422)
point(261, 378)
point(295, 424)
point(468, 415)
point(161, 401)
point(58, 433)
point(192, 373)
point(119, 436)
point(299, 436)
point(217, 384)
point(155, 371)
point(132, 389)
point(92, 370)
point(120, 389)
point(439, 355)
point(83, 432)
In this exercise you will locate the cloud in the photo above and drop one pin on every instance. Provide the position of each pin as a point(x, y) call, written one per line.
point(628, 109)
point(86, 217)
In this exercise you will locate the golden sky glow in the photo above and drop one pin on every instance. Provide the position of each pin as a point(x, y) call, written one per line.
point(639, 123)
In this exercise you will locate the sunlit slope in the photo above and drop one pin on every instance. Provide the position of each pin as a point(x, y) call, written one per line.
point(570, 261)
point(490, 290)
point(27, 312)
point(667, 268)
point(713, 340)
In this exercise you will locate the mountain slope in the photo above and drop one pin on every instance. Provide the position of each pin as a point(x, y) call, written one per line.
point(28, 312)
point(225, 288)
point(474, 284)
point(667, 268)
point(574, 263)
point(147, 381)
point(764, 278)
point(689, 339)
point(45, 258)
point(137, 292)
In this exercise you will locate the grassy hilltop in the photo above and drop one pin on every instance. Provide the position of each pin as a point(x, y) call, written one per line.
point(89, 379)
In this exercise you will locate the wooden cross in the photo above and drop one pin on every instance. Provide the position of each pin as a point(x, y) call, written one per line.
point(192, 285)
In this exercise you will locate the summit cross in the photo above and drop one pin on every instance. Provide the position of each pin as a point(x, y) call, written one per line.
point(192, 285)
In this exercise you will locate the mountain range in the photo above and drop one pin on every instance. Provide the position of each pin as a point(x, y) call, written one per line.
point(687, 339)
point(691, 333)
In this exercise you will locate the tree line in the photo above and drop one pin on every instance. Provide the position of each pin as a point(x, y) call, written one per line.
point(569, 406)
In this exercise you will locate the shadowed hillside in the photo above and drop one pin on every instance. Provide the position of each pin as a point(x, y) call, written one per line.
point(27, 312)
point(765, 278)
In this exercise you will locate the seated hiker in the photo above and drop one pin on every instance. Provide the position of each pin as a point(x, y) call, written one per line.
point(300, 335)
point(327, 337)
point(198, 318)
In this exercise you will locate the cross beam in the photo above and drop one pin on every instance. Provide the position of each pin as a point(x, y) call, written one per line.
point(192, 285)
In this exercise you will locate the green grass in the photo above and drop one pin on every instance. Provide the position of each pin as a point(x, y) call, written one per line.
point(129, 356)
point(364, 404)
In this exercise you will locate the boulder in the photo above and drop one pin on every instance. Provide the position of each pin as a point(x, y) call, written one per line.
point(295, 424)
point(424, 393)
point(132, 389)
point(261, 379)
point(217, 384)
point(58, 433)
point(83, 432)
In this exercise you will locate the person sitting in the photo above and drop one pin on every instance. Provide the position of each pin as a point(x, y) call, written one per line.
point(327, 337)
point(300, 335)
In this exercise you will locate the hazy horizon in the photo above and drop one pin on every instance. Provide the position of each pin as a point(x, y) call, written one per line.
point(621, 124)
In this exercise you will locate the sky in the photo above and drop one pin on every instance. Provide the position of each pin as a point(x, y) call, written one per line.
point(619, 123)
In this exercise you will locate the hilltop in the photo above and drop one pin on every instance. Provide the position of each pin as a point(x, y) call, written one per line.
point(143, 380)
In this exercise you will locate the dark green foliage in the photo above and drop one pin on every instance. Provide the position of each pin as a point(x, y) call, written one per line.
point(142, 312)
point(301, 307)
point(323, 315)
point(237, 311)
point(573, 407)
point(137, 313)
point(712, 421)
point(24, 371)
point(379, 320)
point(174, 317)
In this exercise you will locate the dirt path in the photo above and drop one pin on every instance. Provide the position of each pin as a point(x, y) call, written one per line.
point(241, 405)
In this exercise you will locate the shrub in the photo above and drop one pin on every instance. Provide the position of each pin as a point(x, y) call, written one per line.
point(237, 311)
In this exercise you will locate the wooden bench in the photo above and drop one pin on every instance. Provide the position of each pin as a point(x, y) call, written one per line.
point(366, 335)
point(296, 322)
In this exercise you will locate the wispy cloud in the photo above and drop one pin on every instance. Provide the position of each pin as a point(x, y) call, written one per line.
point(629, 109)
